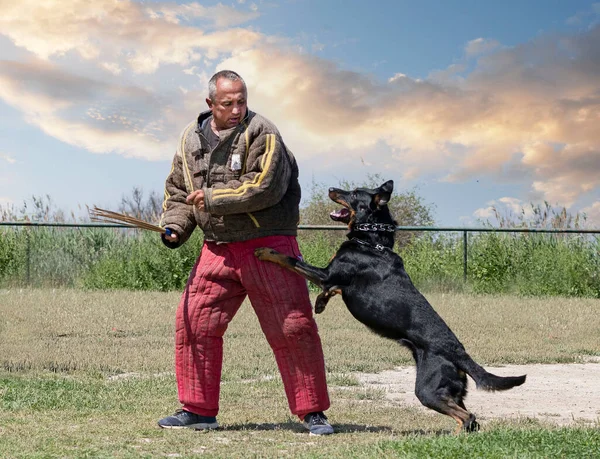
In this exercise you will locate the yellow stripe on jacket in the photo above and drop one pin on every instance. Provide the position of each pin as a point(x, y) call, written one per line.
point(185, 165)
point(247, 140)
point(166, 196)
point(257, 181)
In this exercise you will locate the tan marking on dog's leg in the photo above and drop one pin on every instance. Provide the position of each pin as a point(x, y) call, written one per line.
point(460, 415)
point(267, 254)
point(324, 297)
point(459, 428)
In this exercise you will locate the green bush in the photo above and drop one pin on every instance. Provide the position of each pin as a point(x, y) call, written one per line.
point(535, 265)
point(12, 254)
point(110, 258)
point(435, 262)
point(142, 262)
point(45, 256)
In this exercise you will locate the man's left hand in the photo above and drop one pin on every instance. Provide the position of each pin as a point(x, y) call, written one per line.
point(196, 198)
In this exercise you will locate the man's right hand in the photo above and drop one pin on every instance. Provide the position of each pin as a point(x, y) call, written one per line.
point(196, 198)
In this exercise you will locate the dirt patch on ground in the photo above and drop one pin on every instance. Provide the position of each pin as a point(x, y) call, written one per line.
point(563, 394)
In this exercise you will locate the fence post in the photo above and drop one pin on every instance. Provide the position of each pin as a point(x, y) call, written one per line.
point(464, 256)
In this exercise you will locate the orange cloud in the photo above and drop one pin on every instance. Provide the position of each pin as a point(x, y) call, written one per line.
point(123, 32)
point(530, 112)
point(538, 102)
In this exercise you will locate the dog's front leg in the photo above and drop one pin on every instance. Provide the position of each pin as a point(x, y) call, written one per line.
point(324, 297)
point(312, 273)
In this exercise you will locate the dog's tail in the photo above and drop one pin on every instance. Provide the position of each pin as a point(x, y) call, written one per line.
point(488, 381)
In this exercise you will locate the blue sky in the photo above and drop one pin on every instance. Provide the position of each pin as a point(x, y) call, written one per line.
point(477, 104)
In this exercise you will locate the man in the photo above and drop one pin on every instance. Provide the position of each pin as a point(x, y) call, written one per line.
point(233, 177)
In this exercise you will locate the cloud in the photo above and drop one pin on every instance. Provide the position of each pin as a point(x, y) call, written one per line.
point(593, 214)
point(221, 15)
point(124, 32)
point(585, 17)
point(507, 208)
point(9, 159)
point(190, 71)
point(484, 213)
point(5, 202)
point(533, 109)
point(96, 115)
point(525, 113)
point(480, 46)
point(112, 67)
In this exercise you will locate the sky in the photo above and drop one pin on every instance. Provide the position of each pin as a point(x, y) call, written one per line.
point(472, 104)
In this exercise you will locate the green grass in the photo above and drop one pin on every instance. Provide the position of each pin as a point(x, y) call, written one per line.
point(88, 374)
point(503, 442)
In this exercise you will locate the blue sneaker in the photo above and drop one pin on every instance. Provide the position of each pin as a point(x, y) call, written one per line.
point(185, 420)
point(317, 424)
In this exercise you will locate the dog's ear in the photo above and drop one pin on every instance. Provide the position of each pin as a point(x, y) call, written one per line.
point(384, 193)
point(387, 186)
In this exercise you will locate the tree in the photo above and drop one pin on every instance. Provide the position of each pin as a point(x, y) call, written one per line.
point(136, 205)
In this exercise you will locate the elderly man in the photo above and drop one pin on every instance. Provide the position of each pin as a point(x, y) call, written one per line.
point(233, 176)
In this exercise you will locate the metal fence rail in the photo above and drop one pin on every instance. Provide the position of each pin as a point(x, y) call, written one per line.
point(438, 229)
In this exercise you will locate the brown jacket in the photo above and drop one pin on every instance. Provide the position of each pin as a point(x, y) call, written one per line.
point(250, 181)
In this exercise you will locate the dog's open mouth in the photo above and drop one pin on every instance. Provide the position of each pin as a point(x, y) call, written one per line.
point(342, 215)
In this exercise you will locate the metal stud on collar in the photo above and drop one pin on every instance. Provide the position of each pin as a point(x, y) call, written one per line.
point(379, 247)
point(375, 227)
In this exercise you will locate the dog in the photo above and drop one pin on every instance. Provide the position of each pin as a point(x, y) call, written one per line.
point(378, 292)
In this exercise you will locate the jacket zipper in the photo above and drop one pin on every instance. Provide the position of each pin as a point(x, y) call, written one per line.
point(203, 138)
point(254, 220)
point(207, 180)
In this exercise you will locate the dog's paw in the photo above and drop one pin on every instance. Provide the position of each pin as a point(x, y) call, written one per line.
point(471, 425)
point(320, 304)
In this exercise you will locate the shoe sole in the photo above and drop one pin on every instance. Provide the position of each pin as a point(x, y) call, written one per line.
point(318, 434)
point(201, 426)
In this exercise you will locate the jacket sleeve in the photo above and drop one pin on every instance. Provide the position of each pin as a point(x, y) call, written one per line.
point(264, 184)
point(177, 214)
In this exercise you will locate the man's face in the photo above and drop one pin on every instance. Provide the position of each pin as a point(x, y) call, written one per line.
point(229, 107)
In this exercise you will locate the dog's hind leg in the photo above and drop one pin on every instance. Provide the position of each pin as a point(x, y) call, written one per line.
point(441, 387)
point(471, 425)
point(446, 405)
point(466, 420)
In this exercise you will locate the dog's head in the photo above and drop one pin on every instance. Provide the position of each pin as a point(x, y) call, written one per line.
point(361, 204)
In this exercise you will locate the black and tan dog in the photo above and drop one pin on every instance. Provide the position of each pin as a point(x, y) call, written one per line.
point(371, 278)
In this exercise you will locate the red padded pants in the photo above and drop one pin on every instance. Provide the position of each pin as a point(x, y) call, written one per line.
point(220, 280)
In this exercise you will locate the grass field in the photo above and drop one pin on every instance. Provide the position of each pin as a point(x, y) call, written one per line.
point(88, 374)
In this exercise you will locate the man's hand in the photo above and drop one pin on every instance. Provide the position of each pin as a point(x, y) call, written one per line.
point(172, 237)
point(196, 198)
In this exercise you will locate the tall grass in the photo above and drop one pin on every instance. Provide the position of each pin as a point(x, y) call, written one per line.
point(93, 258)
point(99, 258)
point(142, 262)
point(526, 264)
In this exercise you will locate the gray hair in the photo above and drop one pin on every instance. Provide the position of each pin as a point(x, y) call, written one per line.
point(228, 74)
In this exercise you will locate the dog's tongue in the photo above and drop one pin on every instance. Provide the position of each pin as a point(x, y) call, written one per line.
point(339, 214)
